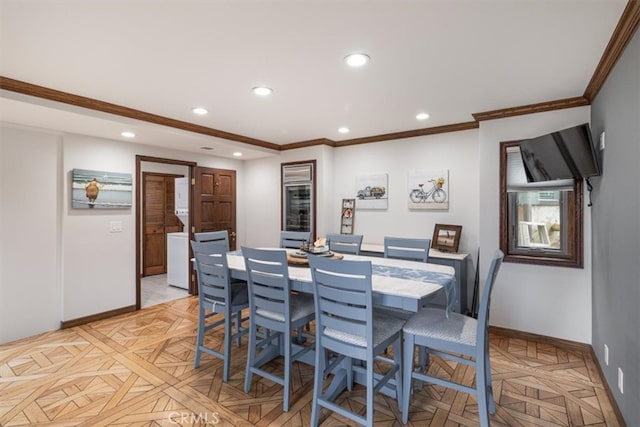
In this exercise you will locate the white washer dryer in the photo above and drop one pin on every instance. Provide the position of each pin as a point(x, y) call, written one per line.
point(178, 260)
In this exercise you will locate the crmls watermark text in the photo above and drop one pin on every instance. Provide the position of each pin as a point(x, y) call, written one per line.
point(202, 418)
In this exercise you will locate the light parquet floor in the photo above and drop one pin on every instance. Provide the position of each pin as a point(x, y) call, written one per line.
point(137, 370)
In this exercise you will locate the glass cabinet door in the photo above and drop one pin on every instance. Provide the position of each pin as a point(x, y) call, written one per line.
point(297, 208)
point(298, 196)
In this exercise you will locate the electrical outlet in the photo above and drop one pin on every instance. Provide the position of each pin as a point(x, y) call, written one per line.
point(602, 141)
point(620, 381)
point(115, 226)
point(606, 355)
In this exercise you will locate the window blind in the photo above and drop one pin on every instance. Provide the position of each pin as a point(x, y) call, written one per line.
point(517, 177)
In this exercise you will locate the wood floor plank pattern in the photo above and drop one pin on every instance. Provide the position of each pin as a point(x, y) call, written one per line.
point(137, 370)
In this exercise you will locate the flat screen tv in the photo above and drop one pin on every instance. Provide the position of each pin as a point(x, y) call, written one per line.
point(565, 154)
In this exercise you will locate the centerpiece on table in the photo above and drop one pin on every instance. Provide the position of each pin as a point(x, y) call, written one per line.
point(320, 246)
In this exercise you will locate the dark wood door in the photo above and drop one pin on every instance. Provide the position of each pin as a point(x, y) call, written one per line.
point(214, 201)
point(158, 219)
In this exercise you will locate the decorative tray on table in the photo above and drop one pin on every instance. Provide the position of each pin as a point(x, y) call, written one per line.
point(300, 258)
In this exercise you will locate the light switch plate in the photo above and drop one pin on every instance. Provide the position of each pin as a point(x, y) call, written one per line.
point(602, 141)
point(115, 226)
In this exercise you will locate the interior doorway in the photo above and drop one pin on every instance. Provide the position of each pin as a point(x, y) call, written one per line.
point(156, 223)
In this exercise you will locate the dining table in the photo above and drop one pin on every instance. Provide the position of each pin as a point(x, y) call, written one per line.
point(396, 283)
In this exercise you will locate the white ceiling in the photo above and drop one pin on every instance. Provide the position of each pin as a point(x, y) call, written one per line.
point(448, 58)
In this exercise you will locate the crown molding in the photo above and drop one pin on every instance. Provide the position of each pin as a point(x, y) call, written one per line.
point(540, 107)
point(309, 143)
point(30, 89)
point(626, 28)
point(456, 127)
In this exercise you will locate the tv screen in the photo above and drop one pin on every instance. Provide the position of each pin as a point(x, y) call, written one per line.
point(565, 154)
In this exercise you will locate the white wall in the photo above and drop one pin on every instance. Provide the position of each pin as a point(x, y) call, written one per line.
point(456, 152)
point(30, 181)
point(336, 179)
point(99, 266)
point(59, 263)
point(552, 301)
point(262, 190)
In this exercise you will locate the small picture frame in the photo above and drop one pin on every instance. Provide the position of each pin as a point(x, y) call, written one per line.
point(446, 237)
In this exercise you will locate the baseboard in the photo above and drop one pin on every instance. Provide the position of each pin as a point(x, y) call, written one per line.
point(543, 339)
point(98, 316)
point(565, 345)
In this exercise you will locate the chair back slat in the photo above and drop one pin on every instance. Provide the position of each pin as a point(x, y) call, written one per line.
point(351, 311)
point(349, 324)
point(345, 243)
point(212, 270)
point(294, 239)
point(263, 290)
point(406, 248)
point(221, 236)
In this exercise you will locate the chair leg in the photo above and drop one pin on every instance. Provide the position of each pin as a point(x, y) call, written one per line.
point(423, 358)
point(349, 368)
point(397, 358)
point(287, 369)
point(370, 394)
point(492, 403)
point(251, 355)
point(227, 348)
point(423, 362)
point(317, 384)
point(407, 366)
point(300, 339)
point(200, 337)
point(238, 319)
point(482, 393)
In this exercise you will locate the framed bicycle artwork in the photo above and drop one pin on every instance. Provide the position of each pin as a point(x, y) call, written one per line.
point(446, 238)
point(428, 189)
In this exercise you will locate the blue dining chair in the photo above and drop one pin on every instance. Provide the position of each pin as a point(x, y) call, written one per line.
point(221, 236)
point(273, 307)
point(217, 295)
point(345, 243)
point(407, 248)
point(459, 338)
point(347, 327)
point(294, 239)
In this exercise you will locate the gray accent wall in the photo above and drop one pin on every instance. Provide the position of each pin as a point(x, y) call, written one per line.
point(616, 230)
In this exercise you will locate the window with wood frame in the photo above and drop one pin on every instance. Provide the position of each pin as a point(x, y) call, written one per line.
point(540, 222)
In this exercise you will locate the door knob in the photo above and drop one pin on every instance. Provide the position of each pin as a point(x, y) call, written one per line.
point(232, 235)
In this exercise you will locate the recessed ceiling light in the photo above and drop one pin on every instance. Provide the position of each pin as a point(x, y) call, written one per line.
point(128, 134)
point(262, 91)
point(357, 59)
point(343, 129)
point(206, 148)
point(237, 154)
point(199, 111)
point(422, 116)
